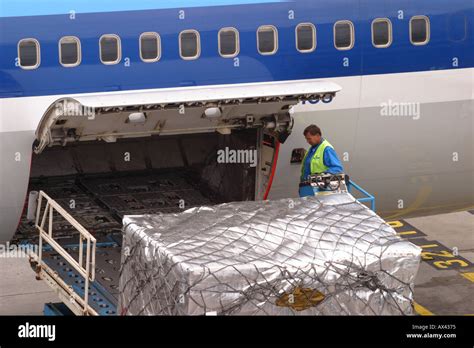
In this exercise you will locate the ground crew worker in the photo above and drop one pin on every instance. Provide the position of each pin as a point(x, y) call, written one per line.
point(320, 158)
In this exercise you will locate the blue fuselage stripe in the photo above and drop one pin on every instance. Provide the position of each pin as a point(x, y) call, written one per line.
point(450, 47)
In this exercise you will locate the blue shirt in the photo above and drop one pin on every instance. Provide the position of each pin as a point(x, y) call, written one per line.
point(330, 160)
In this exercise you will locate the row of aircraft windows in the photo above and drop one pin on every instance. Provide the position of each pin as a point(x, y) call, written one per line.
point(228, 42)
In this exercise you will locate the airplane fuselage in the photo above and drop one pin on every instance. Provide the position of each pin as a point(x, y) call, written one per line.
point(402, 124)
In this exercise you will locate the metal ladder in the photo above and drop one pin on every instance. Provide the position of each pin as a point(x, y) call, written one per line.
point(82, 267)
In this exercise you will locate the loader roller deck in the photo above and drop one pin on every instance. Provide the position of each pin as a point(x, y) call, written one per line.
point(104, 291)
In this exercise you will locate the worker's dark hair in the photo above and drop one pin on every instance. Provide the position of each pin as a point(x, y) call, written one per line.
point(313, 130)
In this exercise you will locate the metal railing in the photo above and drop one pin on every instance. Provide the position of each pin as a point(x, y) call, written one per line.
point(367, 196)
point(85, 266)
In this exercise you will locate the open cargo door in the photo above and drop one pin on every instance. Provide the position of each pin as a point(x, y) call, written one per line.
point(109, 117)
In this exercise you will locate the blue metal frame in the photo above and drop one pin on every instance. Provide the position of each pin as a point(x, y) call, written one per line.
point(99, 298)
point(367, 196)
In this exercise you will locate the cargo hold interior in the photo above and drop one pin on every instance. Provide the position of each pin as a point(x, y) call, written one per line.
point(98, 182)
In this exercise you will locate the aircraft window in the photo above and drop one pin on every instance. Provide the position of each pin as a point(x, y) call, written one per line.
point(110, 49)
point(150, 47)
point(306, 37)
point(69, 51)
point(29, 53)
point(229, 45)
point(267, 38)
point(189, 44)
point(382, 32)
point(344, 35)
point(419, 30)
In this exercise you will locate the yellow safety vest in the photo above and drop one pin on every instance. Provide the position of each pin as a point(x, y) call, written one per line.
point(317, 162)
